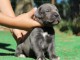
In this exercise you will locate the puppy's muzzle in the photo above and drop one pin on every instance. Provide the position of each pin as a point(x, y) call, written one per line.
point(55, 18)
point(52, 20)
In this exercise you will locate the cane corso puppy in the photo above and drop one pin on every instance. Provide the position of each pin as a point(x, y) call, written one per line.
point(41, 40)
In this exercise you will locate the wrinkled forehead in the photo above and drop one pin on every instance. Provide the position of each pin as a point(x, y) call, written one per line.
point(49, 7)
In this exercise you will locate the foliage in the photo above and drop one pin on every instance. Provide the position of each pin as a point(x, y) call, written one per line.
point(69, 11)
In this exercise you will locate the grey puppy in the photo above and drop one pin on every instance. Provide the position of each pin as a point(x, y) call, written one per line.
point(41, 40)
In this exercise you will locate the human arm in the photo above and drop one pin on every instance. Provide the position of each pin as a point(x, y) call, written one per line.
point(23, 21)
point(9, 11)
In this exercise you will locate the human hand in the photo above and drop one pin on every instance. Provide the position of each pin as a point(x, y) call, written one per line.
point(27, 15)
point(18, 35)
point(26, 21)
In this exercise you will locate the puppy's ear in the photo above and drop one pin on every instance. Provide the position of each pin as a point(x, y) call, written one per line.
point(39, 13)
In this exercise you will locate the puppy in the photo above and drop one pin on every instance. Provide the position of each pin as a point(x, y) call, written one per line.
point(41, 40)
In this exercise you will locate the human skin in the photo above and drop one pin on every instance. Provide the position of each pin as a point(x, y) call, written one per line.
point(17, 33)
point(9, 11)
point(23, 21)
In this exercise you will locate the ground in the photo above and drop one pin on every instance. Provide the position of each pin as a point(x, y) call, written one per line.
point(67, 46)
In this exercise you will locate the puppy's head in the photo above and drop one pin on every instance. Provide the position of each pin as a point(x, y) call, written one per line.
point(48, 15)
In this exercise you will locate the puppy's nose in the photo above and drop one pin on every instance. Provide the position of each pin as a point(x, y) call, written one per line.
point(56, 15)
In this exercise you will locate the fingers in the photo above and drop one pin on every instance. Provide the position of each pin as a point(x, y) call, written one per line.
point(31, 13)
point(23, 32)
point(17, 33)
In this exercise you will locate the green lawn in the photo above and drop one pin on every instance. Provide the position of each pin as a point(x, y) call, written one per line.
point(67, 46)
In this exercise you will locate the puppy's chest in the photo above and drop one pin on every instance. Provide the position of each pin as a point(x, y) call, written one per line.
point(46, 37)
point(46, 40)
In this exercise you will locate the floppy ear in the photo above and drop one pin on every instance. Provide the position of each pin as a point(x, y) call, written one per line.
point(39, 13)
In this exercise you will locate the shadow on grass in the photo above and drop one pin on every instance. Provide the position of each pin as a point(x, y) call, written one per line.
point(5, 47)
point(6, 54)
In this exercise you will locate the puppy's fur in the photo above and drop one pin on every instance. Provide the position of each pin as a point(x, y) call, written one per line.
point(41, 40)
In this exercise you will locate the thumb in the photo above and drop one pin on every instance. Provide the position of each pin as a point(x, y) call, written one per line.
point(31, 13)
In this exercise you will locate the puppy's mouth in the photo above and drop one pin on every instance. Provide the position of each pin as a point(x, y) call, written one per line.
point(55, 22)
point(49, 24)
point(54, 18)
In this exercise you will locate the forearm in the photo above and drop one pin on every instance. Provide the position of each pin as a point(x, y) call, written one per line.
point(6, 8)
point(17, 23)
point(7, 17)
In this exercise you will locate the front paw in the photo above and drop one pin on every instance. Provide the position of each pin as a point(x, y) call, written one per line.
point(58, 58)
point(40, 59)
point(22, 55)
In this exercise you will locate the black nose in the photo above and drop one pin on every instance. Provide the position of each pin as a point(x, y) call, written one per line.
point(55, 14)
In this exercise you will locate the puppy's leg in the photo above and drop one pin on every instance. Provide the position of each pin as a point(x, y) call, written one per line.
point(38, 50)
point(51, 51)
point(19, 52)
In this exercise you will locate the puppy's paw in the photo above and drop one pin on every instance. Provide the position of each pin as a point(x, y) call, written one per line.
point(22, 55)
point(58, 58)
point(41, 59)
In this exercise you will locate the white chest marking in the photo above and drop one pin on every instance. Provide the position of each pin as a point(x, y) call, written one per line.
point(44, 34)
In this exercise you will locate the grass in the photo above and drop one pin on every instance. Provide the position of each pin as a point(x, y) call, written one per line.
point(67, 46)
